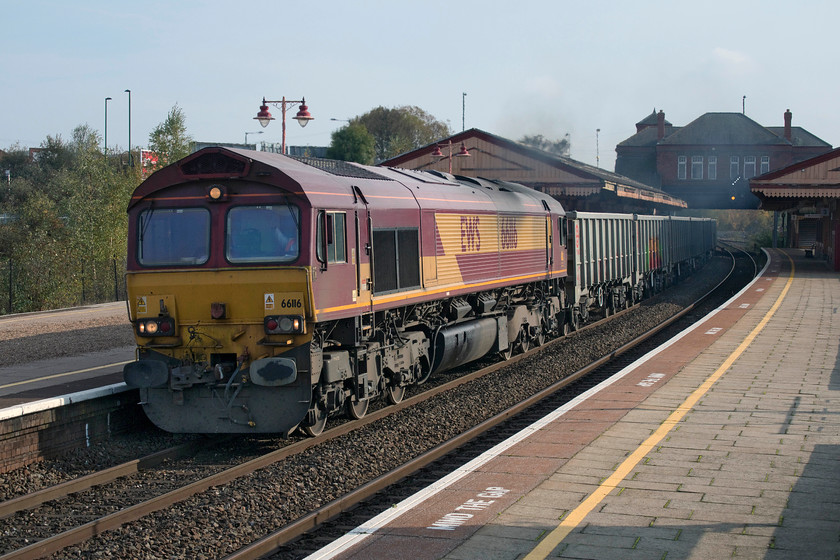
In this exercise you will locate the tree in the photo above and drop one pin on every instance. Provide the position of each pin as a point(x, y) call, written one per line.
point(352, 143)
point(399, 130)
point(538, 141)
point(65, 230)
point(169, 140)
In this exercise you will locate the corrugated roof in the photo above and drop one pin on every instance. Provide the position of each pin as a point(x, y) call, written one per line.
point(582, 170)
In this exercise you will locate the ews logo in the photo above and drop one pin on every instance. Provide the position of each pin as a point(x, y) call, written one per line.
point(470, 235)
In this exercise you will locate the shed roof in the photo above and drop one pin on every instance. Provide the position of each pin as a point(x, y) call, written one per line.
point(582, 178)
point(817, 177)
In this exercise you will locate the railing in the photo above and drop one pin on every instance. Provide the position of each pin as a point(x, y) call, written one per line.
point(24, 289)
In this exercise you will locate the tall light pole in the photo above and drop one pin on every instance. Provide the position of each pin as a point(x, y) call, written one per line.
point(597, 149)
point(302, 117)
point(105, 149)
point(130, 158)
point(463, 110)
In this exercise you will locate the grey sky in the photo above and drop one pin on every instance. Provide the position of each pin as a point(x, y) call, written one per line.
point(528, 67)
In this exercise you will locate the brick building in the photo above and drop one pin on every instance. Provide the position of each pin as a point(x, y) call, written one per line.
point(709, 162)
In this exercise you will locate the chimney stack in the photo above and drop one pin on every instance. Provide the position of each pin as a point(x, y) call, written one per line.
point(788, 119)
point(660, 125)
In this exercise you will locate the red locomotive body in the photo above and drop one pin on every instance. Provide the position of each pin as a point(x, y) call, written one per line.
point(269, 293)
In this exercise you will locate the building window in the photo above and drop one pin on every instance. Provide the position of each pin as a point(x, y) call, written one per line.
point(734, 167)
point(749, 167)
point(681, 167)
point(765, 164)
point(712, 168)
point(696, 167)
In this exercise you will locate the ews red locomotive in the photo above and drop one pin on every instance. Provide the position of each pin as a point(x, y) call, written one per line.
point(269, 292)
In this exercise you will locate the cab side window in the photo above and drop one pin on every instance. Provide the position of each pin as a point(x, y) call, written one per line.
point(562, 226)
point(334, 226)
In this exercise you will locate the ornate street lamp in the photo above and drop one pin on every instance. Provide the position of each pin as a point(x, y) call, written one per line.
point(463, 152)
point(302, 117)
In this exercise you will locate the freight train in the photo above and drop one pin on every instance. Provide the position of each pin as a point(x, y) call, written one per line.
point(269, 293)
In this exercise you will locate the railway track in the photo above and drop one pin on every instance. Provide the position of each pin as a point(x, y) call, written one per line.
point(295, 475)
point(308, 535)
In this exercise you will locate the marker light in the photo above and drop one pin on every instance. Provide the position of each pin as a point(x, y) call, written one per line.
point(283, 324)
point(159, 326)
point(216, 193)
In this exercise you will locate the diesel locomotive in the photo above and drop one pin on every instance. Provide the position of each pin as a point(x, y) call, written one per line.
point(268, 293)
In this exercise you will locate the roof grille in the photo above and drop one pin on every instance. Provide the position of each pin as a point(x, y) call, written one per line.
point(340, 168)
point(213, 163)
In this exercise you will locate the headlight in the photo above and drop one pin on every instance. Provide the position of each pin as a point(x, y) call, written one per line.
point(283, 324)
point(160, 326)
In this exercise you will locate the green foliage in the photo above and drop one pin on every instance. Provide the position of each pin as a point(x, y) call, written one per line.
point(399, 130)
point(747, 228)
point(352, 143)
point(65, 225)
point(169, 140)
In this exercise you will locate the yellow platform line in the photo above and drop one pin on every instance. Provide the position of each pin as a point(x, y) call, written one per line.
point(576, 516)
point(57, 375)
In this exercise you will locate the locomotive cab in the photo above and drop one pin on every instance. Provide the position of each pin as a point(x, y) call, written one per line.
point(219, 295)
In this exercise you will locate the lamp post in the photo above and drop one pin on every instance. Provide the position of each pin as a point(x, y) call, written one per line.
point(463, 152)
point(463, 110)
point(105, 149)
point(597, 149)
point(302, 117)
point(130, 157)
point(247, 133)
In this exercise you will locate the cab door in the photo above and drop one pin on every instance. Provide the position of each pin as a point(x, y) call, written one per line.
point(362, 251)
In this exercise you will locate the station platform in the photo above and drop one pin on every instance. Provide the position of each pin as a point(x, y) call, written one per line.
point(724, 442)
point(79, 373)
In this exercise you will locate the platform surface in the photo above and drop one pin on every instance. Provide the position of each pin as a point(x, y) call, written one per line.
point(724, 443)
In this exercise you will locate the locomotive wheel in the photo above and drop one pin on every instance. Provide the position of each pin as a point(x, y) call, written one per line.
point(396, 393)
point(358, 409)
point(507, 354)
point(319, 425)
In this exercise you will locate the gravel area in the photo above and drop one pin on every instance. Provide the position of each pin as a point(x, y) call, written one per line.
point(219, 521)
point(39, 336)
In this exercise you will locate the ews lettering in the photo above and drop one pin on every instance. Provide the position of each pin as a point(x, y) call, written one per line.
point(507, 233)
point(470, 235)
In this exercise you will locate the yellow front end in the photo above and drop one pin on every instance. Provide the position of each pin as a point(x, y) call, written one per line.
point(220, 312)
point(222, 351)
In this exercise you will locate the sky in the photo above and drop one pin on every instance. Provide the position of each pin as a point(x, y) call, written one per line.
point(590, 69)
